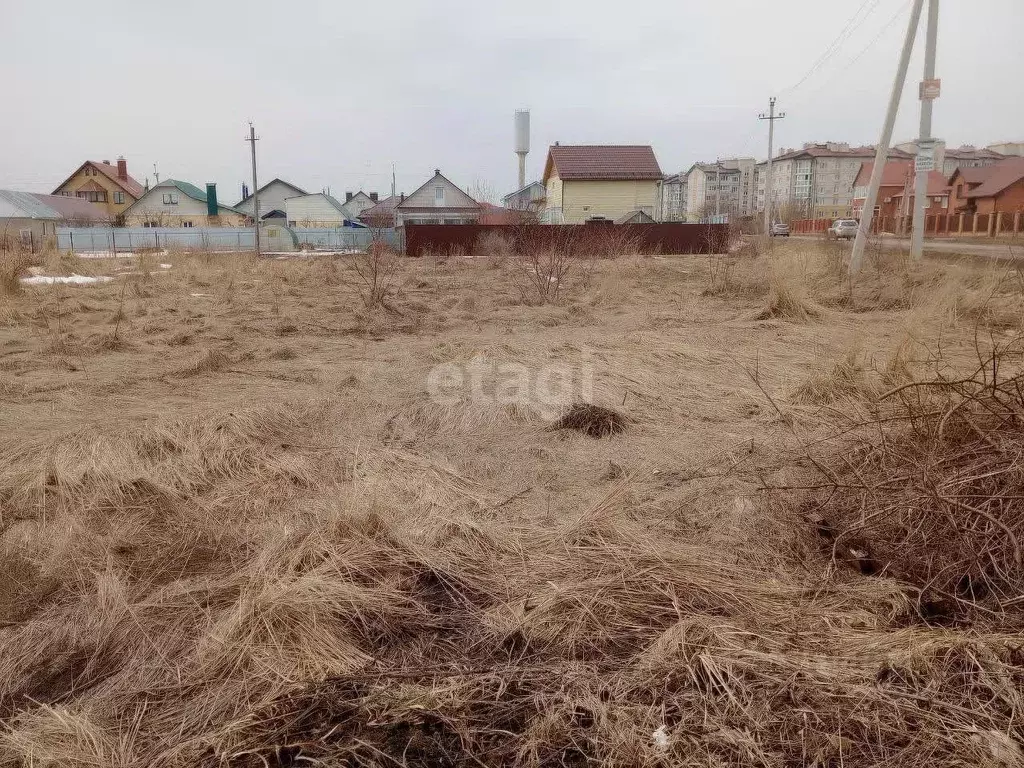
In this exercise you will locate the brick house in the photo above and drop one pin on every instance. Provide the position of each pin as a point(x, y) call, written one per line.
point(1001, 192)
point(962, 182)
point(896, 175)
point(938, 197)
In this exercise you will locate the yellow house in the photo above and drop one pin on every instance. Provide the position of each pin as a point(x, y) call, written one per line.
point(107, 185)
point(586, 181)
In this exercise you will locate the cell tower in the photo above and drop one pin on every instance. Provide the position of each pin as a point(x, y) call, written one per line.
point(522, 140)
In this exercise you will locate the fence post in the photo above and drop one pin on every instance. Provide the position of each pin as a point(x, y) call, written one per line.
point(993, 223)
point(113, 243)
point(1016, 222)
point(71, 237)
point(32, 240)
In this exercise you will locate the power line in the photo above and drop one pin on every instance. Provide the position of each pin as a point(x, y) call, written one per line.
point(834, 47)
point(846, 67)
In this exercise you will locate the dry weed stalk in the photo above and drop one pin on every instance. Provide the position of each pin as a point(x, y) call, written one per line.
point(376, 271)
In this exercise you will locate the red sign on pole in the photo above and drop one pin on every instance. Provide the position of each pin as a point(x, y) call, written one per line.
point(929, 89)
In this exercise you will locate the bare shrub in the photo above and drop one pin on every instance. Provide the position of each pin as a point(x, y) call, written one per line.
point(544, 263)
point(846, 379)
point(495, 247)
point(13, 264)
point(376, 271)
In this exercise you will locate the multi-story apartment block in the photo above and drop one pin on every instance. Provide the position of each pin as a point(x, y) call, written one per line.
point(815, 181)
point(725, 187)
point(672, 198)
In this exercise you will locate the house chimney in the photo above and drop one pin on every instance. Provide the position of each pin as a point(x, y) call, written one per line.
point(437, 171)
point(122, 169)
point(106, 162)
point(211, 200)
point(373, 196)
point(348, 196)
point(402, 199)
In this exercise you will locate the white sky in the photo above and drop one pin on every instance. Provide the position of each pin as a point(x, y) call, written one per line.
point(341, 90)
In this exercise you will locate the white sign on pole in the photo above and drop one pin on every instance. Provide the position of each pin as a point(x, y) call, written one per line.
point(925, 160)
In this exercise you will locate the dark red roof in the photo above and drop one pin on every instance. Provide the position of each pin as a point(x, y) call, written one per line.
point(937, 185)
point(894, 173)
point(131, 186)
point(602, 163)
point(495, 214)
point(1008, 172)
point(974, 175)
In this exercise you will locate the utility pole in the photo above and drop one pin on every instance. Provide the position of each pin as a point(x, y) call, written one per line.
point(392, 179)
point(882, 150)
point(771, 117)
point(252, 138)
point(925, 145)
point(718, 188)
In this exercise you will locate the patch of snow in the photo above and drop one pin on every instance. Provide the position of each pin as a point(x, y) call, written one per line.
point(166, 266)
point(660, 737)
point(66, 279)
point(118, 255)
point(198, 295)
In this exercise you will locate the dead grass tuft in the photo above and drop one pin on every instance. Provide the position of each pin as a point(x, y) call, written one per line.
point(13, 265)
point(207, 361)
point(592, 420)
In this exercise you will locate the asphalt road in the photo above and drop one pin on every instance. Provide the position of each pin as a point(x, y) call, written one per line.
point(987, 250)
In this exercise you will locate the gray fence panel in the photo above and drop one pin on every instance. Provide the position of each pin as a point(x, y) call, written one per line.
point(132, 239)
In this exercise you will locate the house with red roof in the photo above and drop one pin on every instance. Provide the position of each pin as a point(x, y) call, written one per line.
point(599, 181)
point(100, 182)
point(995, 188)
point(896, 176)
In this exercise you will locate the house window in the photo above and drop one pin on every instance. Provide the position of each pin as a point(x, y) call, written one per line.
point(186, 223)
point(26, 236)
point(119, 198)
point(438, 195)
point(170, 198)
point(586, 207)
point(92, 197)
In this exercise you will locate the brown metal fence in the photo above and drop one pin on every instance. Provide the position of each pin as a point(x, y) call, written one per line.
point(936, 225)
point(601, 238)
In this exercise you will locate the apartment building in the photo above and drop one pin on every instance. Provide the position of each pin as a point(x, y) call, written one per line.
point(672, 198)
point(725, 187)
point(815, 181)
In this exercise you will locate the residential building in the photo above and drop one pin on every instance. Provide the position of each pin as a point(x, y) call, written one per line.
point(529, 198)
point(672, 198)
point(103, 183)
point(816, 181)
point(963, 181)
point(938, 196)
point(1008, 148)
point(173, 203)
point(968, 156)
point(496, 214)
point(1001, 191)
point(725, 187)
point(316, 210)
point(31, 220)
point(587, 181)
point(438, 201)
point(382, 215)
point(897, 176)
point(357, 202)
point(271, 196)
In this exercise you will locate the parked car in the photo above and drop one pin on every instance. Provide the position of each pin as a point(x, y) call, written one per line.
point(842, 229)
point(779, 230)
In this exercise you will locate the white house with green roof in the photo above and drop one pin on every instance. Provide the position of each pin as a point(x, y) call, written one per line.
point(173, 203)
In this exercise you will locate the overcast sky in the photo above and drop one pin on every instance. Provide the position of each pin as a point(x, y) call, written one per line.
point(341, 90)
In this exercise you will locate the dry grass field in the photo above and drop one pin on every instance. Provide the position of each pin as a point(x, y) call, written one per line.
point(261, 513)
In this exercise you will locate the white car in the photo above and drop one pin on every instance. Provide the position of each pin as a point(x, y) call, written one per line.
point(842, 229)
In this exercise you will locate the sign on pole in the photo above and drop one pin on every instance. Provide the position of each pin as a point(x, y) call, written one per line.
point(925, 160)
point(929, 89)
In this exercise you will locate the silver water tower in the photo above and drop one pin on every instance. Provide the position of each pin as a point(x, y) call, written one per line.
point(522, 142)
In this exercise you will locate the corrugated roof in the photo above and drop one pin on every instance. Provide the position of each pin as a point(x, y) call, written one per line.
point(603, 162)
point(973, 153)
point(74, 207)
point(23, 205)
point(1004, 174)
point(29, 205)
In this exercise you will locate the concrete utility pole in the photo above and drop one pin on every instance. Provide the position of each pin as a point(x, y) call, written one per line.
point(252, 138)
point(925, 145)
point(882, 150)
point(718, 189)
point(771, 117)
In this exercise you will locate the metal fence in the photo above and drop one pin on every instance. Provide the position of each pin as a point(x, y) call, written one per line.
point(116, 240)
point(345, 238)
